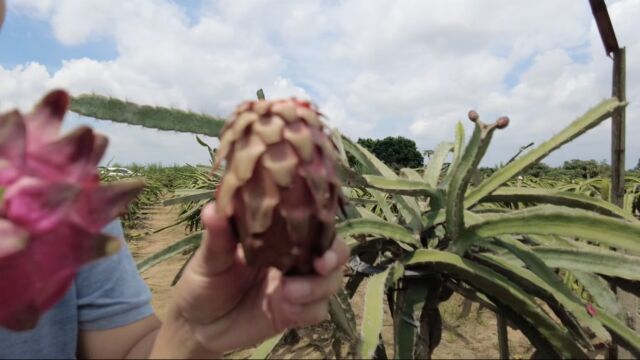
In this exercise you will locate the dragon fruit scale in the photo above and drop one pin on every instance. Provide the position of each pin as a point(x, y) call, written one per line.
point(280, 188)
point(52, 208)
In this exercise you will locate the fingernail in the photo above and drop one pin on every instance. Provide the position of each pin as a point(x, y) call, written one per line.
point(297, 290)
point(331, 259)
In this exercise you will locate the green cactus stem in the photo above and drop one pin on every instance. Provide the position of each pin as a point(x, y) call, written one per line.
point(463, 170)
point(161, 118)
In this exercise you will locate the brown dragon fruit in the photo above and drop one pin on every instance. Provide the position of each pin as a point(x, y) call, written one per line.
point(280, 189)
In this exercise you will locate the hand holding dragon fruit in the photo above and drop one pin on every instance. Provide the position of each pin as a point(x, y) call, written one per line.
point(280, 189)
point(53, 208)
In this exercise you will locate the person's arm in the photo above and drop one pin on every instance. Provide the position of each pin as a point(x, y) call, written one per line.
point(133, 341)
point(221, 304)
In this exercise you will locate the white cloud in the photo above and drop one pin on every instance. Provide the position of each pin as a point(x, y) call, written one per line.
point(19, 86)
point(37, 8)
point(375, 67)
point(283, 88)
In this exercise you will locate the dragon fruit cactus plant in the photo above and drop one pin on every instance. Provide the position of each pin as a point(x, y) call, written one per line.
point(53, 208)
point(280, 189)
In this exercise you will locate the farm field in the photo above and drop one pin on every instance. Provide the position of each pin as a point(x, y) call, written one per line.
point(472, 337)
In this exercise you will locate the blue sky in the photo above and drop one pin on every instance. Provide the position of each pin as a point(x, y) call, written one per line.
point(27, 39)
point(376, 68)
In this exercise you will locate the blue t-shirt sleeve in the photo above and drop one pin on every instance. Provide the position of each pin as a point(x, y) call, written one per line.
point(110, 292)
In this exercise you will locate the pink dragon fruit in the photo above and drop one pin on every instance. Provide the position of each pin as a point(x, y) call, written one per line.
point(53, 208)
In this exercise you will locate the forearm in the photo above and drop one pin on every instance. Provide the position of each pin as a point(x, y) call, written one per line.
point(130, 341)
point(142, 349)
point(176, 340)
point(147, 338)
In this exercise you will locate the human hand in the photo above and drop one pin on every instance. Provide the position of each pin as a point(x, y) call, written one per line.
point(222, 304)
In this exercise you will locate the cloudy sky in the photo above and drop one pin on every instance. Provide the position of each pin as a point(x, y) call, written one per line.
point(375, 67)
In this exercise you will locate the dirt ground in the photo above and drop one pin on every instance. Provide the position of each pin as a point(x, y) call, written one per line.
point(473, 337)
point(159, 277)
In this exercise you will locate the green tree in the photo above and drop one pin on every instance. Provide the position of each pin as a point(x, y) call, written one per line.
point(586, 169)
point(395, 151)
point(369, 144)
point(538, 170)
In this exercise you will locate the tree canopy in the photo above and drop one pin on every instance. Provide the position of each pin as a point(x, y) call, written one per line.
point(395, 151)
point(586, 169)
point(573, 169)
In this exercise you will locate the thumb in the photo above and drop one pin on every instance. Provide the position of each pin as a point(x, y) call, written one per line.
point(219, 245)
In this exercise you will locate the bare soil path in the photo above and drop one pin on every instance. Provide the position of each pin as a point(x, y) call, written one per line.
point(473, 337)
point(160, 277)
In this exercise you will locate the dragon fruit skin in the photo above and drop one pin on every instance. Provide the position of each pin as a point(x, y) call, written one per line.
point(53, 208)
point(280, 189)
point(12, 238)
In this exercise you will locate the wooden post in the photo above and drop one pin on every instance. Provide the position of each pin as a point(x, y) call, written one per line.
point(618, 128)
point(503, 337)
point(627, 300)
